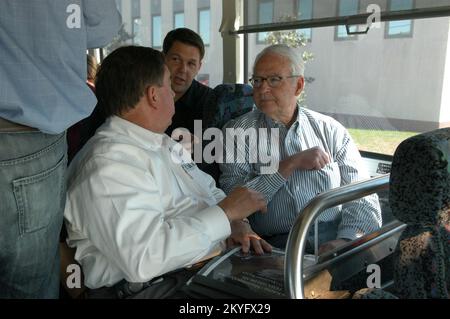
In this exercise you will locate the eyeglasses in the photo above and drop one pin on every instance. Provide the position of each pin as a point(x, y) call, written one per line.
point(272, 81)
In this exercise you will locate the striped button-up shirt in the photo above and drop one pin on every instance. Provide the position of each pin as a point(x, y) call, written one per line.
point(287, 197)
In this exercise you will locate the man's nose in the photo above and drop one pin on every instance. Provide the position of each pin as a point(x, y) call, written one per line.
point(182, 67)
point(264, 86)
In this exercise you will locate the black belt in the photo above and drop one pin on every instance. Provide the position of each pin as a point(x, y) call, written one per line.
point(125, 289)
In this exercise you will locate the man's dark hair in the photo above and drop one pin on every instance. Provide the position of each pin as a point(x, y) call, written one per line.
point(186, 36)
point(125, 75)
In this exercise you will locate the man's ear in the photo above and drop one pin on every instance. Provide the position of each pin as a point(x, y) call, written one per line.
point(152, 97)
point(300, 85)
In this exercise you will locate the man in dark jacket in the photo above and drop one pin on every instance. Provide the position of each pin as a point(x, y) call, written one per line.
point(184, 51)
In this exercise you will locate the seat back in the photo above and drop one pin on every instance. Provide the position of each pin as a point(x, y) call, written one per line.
point(419, 196)
point(233, 100)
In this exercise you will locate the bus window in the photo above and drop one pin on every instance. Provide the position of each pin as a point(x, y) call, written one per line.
point(384, 86)
point(146, 23)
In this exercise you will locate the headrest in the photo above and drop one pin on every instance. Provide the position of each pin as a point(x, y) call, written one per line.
point(233, 100)
point(419, 180)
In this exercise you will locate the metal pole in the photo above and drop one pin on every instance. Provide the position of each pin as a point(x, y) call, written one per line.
point(295, 249)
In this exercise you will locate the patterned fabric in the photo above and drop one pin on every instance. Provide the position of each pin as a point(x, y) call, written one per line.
point(233, 100)
point(420, 197)
point(372, 293)
point(286, 198)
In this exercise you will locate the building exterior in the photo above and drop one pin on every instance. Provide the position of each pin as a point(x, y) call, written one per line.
point(150, 20)
point(397, 76)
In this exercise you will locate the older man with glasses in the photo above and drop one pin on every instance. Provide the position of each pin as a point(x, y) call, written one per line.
point(314, 153)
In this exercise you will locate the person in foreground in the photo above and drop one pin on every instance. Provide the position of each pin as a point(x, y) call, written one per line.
point(184, 52)
point(138, 209)
point(315, 153)
point(42, 93)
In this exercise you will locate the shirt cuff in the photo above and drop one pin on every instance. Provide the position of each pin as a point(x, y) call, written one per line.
point(218, 224)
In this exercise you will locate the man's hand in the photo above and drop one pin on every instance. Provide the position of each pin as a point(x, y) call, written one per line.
point(242, 233)
point(242, 202)
point(311, 159)
point(332, 244)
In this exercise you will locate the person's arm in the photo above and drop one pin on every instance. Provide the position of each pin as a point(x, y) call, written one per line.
point(361, 216)
point(102, 20)
point(238, 172)
point(123, 215)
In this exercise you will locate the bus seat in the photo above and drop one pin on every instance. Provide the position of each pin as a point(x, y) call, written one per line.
point(233, 100)
point(419, 196)
point(79, 133)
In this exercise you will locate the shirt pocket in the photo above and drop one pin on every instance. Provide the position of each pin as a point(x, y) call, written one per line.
point(324, 179)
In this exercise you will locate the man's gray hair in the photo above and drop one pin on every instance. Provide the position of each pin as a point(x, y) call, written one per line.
point(292, 54)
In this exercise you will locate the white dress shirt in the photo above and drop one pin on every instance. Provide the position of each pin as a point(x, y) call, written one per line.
point(134, 212)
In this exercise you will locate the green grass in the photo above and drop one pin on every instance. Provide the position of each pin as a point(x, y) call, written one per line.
point(379, 141)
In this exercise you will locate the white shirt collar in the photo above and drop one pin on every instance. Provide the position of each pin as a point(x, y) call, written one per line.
point(144, 137)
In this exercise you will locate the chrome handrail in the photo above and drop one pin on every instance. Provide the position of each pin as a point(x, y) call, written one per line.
point(295, 249)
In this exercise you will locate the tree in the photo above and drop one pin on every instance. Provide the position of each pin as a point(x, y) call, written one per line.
point(294, 39)
point(119, 40)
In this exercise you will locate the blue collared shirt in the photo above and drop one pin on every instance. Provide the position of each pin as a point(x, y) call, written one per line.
point(43, 59)
point(287, 198)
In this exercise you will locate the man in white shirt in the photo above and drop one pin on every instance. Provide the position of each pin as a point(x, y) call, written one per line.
point(137, 206)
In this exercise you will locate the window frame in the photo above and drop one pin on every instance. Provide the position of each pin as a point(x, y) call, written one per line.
point(174, 19)
point(258, 41)
point(337, 38)
point(134, 17)
point(153, 30)
point(297, 8)
point(400, 35)
point(201, 9)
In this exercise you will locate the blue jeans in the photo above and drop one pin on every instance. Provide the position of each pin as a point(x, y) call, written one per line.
point(32, 198)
